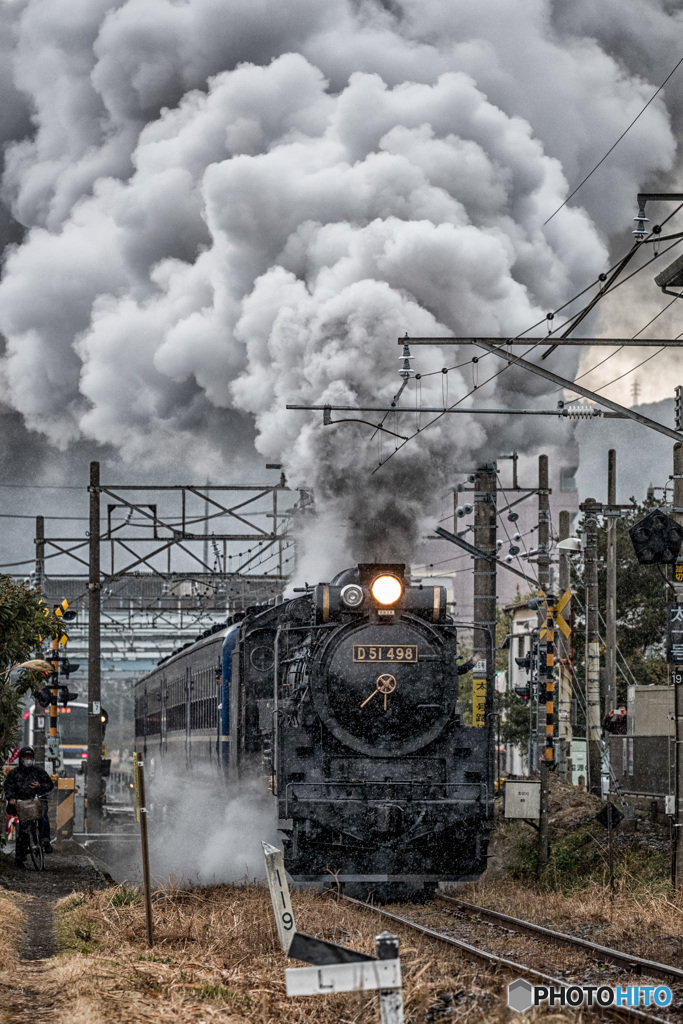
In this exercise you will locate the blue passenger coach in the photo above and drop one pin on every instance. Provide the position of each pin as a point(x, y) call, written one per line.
point(182, 707)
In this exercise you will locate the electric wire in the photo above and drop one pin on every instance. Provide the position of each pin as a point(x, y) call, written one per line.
point(614, 146)
point(534, 344)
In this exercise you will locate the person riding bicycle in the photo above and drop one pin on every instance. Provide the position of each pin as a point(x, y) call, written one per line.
point(22, 783)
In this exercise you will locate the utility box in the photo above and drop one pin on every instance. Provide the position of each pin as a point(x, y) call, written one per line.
point(522, 798)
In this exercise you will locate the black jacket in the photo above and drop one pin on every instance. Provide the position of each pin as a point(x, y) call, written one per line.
point(18, 783)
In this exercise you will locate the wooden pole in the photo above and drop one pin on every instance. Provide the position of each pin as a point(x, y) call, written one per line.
point(142, 809)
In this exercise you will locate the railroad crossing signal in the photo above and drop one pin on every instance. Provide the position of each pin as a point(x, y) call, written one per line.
point(559, 607)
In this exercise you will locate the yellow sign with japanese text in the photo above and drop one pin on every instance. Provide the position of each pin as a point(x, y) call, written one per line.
point(479, 703)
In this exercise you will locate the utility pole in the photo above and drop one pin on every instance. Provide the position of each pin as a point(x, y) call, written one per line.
point(38, 712)
point(485, 528)
point(543, 526)
point(678, 693)
point(543, 561)
point(590, 560)
point(611, 609)
point(564, 696)
point(93, 778)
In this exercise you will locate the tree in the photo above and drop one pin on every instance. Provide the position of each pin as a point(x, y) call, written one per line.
point(514, 718)
point(24, 620)
point(641, 607)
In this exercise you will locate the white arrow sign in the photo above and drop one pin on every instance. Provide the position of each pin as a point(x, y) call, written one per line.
point(360, 977)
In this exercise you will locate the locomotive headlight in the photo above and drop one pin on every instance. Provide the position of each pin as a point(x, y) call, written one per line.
point(386, 589)
point(352, 595)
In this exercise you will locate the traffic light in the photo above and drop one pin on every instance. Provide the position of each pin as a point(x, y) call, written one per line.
point(44, 697)
point(104, 718)
point(523, 691)
point(66, 667)
point(525, 662)
point(656, 539)
point(65, 695)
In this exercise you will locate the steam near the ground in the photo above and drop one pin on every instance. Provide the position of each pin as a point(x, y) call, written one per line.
point(202, 833)
point(227, 213)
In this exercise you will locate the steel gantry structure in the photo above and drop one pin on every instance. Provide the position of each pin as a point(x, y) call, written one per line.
point(165, 532)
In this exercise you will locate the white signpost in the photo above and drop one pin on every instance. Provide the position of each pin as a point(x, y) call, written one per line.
point(279, 893)
point(336, 968)
point(366, 975)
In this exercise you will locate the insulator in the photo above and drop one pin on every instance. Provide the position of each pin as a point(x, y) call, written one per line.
point(499, 544)
point(580, 412)
point(514, 550)
point(640, 230)
point(516, 536)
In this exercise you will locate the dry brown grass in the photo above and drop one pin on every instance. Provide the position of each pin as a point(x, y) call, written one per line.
point(11, 930)
point(216, 959)
point(638, 920)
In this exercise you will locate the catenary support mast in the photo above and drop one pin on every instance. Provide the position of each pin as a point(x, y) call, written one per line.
point(93, 778)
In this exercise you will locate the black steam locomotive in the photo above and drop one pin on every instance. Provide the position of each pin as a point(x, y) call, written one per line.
point(345, 702)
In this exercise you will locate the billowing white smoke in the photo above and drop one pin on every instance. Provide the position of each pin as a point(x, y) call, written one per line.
point(227, 213)
point(201, 833)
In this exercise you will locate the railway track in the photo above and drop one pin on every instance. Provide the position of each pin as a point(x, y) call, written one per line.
point(604, 954)
point(511, 967)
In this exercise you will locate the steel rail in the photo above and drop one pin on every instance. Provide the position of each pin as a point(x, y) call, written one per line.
point(492, 960)
point(637, 964)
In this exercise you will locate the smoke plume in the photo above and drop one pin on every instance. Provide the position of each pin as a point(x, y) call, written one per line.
point(203, 834)
point(213, 217)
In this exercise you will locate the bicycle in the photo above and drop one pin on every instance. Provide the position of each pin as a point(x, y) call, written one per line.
point(30, 813)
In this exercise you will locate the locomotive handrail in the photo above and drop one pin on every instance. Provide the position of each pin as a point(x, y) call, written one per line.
point(481, 786)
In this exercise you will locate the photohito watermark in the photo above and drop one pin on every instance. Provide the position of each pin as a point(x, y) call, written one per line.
point(522, 995)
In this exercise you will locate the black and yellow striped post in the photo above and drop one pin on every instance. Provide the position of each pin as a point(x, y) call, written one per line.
point(550, 684)
point(53, 745)
point(546, 676)
point(61, 808)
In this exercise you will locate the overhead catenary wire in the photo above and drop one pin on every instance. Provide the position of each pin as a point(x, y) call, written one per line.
point(615, 144)
point(646, 359)
point(534, 344)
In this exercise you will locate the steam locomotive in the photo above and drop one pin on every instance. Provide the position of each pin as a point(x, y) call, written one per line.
point(344, 702)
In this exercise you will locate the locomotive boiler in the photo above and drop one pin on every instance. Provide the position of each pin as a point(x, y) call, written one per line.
point(344, 702)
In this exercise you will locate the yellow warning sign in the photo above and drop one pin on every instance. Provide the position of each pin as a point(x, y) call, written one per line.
point(479, 703)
